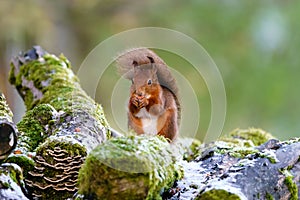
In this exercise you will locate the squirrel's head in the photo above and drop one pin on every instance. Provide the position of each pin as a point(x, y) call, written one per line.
point(134, 57)
point(145, 81)
point(136, 64)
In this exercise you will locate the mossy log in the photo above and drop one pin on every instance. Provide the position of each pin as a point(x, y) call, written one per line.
point(129, 168)
point(248, 164)
point(11, 178)
point(61, 126)
point(8, 131)
point(64, 128)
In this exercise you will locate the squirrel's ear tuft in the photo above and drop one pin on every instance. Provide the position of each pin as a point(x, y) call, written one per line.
point(128, 60)
point(151, 59)
point(135, 63)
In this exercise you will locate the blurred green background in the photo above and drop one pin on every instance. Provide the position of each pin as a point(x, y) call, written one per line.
point(255, 45)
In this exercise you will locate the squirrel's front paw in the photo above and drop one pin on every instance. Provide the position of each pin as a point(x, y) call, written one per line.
point(139, 101)
point(143, 102)
point(135, 101)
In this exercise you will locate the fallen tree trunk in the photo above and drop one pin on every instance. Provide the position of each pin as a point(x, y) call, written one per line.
point(136, 167)
point(61, 126)
point(230, 170)
point(11, 178)
point(8, 132)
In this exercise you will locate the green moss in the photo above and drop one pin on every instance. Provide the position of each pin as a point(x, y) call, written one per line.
point(241, 152)
point(32, 126)
point(270, 155)
point(52, 96)
point(195, 145)
point(6, 127)
point(13, 175)
point(247, 137)
point(269, 196)
point(222, 147)
point(5, 185)
point(240, 143)
point(26, 163)
point(134, 167)
point(191, 148)
point(32, 134)
point(52, 82)
point(216, 194)
point(292, 186)
point(5, 112)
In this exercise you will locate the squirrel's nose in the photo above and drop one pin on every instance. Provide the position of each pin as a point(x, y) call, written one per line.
point(140, 93)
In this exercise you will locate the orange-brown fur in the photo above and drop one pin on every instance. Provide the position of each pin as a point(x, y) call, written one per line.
point(148, 98)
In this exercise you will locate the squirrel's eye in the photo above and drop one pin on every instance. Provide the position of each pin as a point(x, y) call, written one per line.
point(149, 82)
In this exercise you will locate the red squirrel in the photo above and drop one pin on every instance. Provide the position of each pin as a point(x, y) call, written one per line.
point(153, 106)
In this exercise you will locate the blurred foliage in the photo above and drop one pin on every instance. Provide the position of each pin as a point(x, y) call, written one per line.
point(255, 44)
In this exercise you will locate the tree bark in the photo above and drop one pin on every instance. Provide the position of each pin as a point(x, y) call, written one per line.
point(11, 179)
point(229, 170)
point(8, 131)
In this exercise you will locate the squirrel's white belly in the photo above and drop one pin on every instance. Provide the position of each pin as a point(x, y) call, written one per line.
point(149, 122)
